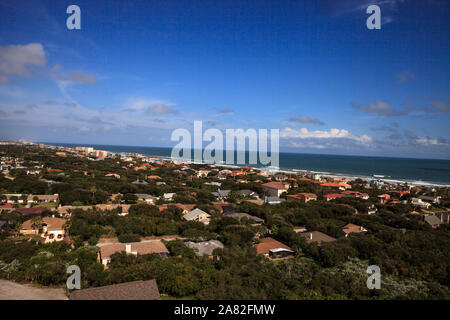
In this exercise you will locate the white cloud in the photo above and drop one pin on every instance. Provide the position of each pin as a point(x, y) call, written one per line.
point(441, 106)
point(425, 141)
point(15, 59)
point(154, 107)
point(306, 119)
point(304, 133)
point(161, 109)
point(382, 108)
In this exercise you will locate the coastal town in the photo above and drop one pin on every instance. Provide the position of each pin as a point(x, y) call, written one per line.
point(147, 227)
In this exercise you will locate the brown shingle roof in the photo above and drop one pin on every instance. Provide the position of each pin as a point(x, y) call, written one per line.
point(353, 228)
point(275, 185)
point(136, 290)
point(267, 244)
point(52, 223)
point(30, 211)
point(184, 206)
point(139, 247)
point(317, 236)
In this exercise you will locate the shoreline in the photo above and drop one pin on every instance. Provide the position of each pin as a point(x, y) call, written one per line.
point(329, 174)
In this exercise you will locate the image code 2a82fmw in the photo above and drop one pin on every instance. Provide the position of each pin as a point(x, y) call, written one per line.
point(244, 309)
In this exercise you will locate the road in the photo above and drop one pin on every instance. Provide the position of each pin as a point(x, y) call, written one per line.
point(10, 290)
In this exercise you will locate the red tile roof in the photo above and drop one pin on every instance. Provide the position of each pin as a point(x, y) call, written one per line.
point(330, 184)
point(334, 195)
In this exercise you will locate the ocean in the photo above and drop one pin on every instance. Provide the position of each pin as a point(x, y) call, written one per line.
point(413, 171)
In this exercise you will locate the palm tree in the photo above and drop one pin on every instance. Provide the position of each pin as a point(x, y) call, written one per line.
point(93, 190)
point(66, 226)
point(36, 222)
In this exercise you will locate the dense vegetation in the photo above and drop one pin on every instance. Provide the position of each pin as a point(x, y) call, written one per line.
point(413, 257)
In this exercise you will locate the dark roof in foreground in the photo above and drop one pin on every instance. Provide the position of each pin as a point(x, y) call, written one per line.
point(31, 211)
point(135, 290)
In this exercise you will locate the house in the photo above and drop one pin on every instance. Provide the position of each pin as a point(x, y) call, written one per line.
point(219, 206)
point(123, 208)
point(420, 203)
point(136, 248)
point(197, 215)
point(431, 199)
point(248, 193)
point(384, 198)
point(432, 220)
point(236, 173)
point(140, 182)
point(14, 198)
point(240, 215)
point(146, 197)
point(273, 249)
point(213, 183)
point(30, 212)
point(221, 194)
point(168, 196)
point(162, 207)
point(185, 207)
point(115, 197)
point(353, 228)
point(372, 209)
point(6, 207)
point(67, 210)
point(443, 216)
point(333, 196)
point(275, 188)
point(355, 194)
point(52, 229)
point(399, 193)
point(332, 185)
point(202, 173)
point(299, 229)
point(42, 198)
point(280, 177)
point(317, 236)
point(135, 290)
point(302, 197)
point(154, 177)
point(115, 175)
point(205, 248)
point(273, 200)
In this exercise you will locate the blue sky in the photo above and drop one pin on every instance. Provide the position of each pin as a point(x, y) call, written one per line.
point(137, 71)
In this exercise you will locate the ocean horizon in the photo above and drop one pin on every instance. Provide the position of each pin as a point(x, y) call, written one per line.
point(411, 170)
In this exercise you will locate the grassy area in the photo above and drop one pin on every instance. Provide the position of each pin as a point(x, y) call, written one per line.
point(46, 204)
